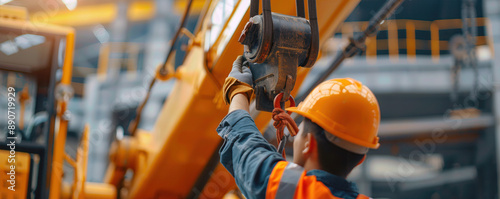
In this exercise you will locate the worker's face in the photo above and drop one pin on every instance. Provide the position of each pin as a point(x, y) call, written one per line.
point(299, 145)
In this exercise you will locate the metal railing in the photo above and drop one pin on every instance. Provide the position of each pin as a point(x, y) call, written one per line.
point(394, 43)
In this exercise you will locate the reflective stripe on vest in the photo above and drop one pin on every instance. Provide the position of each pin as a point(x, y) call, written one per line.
point(287, 176)
point(289, 181)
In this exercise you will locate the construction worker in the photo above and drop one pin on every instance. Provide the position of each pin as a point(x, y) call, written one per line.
point(341, 123)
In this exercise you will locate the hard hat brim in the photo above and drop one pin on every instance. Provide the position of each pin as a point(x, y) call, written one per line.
point(344, 136)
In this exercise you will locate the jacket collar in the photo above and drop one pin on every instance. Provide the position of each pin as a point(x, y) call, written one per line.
point(333, 182)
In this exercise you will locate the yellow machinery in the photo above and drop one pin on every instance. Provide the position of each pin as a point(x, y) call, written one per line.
point(179, 157)
point(36, 60)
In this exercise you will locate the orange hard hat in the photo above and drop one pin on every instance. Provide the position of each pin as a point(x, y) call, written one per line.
point(346, 109)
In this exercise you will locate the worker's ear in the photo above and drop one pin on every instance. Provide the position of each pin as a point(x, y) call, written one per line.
point(362, 160)
point(309, 144)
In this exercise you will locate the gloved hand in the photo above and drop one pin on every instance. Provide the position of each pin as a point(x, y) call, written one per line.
point(239, 80)
point(241, 71)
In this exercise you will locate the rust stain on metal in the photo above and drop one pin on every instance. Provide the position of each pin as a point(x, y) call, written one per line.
point(263, 78)
point(245, 31)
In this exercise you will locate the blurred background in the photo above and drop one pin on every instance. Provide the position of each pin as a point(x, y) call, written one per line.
point(436, 81)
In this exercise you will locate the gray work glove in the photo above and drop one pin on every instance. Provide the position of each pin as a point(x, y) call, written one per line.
point(241, 71)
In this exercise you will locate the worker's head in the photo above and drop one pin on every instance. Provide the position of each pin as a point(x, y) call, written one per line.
point(341, 123)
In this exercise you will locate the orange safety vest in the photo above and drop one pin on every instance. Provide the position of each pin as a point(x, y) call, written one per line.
point(289, 180)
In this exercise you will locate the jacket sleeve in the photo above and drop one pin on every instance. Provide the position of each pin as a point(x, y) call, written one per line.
point(246, 154)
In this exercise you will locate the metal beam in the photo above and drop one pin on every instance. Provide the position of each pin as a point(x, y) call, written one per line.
point(423, 76)
point(423, 125)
